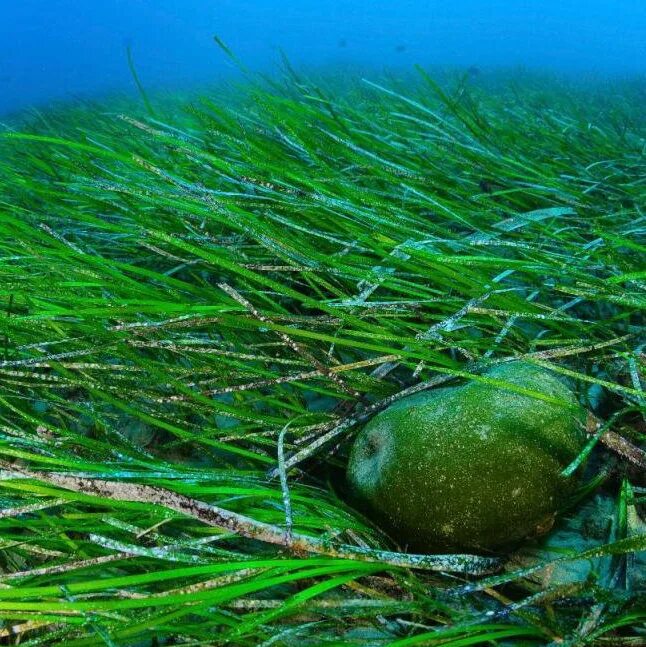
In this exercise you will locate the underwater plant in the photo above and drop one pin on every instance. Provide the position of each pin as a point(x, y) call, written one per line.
point(206, 299)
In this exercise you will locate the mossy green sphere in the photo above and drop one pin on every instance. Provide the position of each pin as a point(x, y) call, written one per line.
point(476, 467)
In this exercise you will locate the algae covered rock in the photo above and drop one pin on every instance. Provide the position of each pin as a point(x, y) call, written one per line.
point(475, 467)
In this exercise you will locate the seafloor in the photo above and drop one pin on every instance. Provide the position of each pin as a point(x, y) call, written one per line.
point(204, 298)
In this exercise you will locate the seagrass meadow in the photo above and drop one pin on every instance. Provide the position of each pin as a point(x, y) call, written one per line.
point(204, 299)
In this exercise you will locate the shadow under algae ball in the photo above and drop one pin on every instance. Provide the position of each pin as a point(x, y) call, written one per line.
point(476, 467)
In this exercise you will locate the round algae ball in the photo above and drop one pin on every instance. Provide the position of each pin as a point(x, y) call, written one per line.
point(475, 467)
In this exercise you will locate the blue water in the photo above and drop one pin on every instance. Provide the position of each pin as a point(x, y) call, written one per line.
point(62, 49)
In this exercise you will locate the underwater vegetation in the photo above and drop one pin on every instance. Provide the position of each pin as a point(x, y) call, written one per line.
point(204, 301)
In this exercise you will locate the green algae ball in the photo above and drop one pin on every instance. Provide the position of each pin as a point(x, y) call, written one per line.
point(473, 468)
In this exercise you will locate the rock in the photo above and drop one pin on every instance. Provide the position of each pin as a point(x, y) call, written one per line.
point(475, 467)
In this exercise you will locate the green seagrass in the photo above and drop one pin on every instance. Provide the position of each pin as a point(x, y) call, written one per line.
point(475, 467)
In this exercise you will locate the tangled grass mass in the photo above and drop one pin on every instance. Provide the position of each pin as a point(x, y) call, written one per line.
point(204, 299)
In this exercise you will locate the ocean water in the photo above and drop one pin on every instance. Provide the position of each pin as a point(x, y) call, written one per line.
point(272, 350)
point(63, 49)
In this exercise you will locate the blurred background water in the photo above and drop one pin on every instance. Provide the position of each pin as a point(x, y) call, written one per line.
point(62, 49)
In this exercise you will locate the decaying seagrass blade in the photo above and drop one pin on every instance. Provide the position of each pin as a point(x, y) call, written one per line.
point(249, 528)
